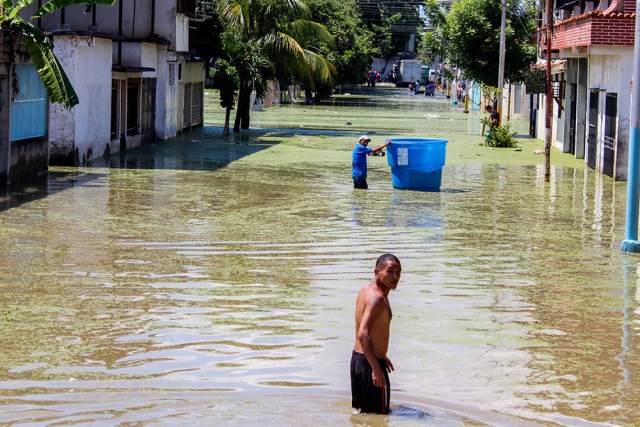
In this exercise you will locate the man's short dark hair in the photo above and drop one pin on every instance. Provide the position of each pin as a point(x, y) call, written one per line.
point(384, 259)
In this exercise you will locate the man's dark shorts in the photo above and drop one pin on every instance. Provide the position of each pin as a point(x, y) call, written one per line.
point(365, 396)
point(360, 182)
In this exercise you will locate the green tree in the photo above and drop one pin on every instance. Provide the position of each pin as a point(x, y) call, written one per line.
point(226, 80)
point(499, 136)
point(254, 70)
point(205, 32)
point(433, 45)
point(474, 39)
point(40, 47)
point(386, 45)
point(354, 47)
point(271, 39)
point(393, 22)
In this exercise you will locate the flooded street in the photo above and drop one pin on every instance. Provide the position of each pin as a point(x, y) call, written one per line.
point(210, 282)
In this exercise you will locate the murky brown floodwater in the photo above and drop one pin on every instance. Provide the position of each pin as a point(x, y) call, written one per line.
point(223, 295)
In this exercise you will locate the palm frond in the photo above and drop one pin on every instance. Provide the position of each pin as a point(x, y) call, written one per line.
point(14, 9)
point(274, 9)
point(29, 31)
point(322, 70)
point(235, 14)
point(279, 44)
point(309, 33)
point(294, 59)
point(53, 77)
point(20, 4)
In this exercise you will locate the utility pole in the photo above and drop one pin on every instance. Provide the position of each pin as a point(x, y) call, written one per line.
point(548, 110)
point(503, 32)
point(631, 244)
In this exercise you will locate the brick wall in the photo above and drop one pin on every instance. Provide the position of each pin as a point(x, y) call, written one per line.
point(618, 31)
point(572, 33)
point(615, 29)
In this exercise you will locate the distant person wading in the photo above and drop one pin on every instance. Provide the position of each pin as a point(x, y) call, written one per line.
point(494, 116)
point(359, 160)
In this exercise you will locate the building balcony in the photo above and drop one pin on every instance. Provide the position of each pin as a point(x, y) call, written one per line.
point(578, 33)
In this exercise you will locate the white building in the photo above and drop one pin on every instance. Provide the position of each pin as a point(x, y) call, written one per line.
point(592, 82)
point(132, 69)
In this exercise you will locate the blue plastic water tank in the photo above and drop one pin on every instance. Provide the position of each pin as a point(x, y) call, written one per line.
point(416, 163)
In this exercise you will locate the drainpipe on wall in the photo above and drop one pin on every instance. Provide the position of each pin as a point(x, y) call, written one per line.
point(133, 24)
point(63, 18)
point(94, 18)
point(630, 243)
point(153, 17)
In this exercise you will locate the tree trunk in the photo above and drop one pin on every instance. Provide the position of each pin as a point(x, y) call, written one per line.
point(246, 113)
point(227, 116)
point(236, 123)
point(308, 96)
point(244, 107)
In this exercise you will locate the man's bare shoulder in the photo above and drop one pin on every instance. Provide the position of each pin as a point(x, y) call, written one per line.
point(370, 294)
point(367, 289)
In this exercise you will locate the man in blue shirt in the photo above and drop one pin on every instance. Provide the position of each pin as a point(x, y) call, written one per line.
point(359, 161)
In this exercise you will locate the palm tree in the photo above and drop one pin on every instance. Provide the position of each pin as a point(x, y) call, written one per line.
point(268, 39)
point(225, 79)
point(40, 47)
point(254, 70)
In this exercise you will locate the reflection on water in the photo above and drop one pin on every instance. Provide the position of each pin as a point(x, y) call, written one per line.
point(218, 289)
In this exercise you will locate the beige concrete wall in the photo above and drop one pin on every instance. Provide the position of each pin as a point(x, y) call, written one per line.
point(83, 132)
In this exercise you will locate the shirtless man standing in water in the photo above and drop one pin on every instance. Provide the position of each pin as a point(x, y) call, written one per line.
point(370, 366)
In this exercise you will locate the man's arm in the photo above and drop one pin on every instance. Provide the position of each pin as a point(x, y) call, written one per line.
point(372, 310)
point(380, 147)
